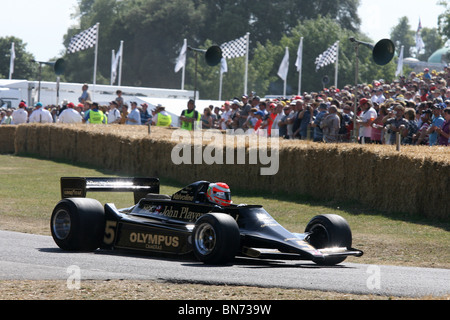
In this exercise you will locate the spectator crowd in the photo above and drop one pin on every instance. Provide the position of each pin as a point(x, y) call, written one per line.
point(414, 109)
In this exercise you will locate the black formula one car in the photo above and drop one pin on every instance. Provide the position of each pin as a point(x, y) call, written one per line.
point(187, 222)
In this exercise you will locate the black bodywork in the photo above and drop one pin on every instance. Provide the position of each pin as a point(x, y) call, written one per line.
point(165, 224)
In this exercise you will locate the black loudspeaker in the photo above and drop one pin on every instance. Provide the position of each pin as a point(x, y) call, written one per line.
point(213, 56)
point(382, 52)
point(59, 67)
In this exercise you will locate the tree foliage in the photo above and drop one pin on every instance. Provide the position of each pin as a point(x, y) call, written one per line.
point(153, 32)
point(444, 20)
point(24, 68)
point(402, 35)
point(433, 41)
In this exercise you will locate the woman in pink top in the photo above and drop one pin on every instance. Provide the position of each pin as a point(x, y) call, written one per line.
point(378, 125)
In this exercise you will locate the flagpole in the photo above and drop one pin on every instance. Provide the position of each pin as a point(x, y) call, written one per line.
point(337, 66)
point(399, 71)
point(300, 66)
point(285, 78)
point(11, 63)
point(223, 69)
point(246, 64)
point(220, 85)
point(121, 63)
point(95, 60)
point(183, 72)
point(113, 57)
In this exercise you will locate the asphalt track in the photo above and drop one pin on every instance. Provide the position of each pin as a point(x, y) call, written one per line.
point(35, 257)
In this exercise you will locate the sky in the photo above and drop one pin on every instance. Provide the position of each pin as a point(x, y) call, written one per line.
point(42, 24)
point(380, 16)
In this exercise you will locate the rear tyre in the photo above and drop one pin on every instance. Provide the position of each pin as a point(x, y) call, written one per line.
point(78, 224)
point(216, 238)
point(329, 231)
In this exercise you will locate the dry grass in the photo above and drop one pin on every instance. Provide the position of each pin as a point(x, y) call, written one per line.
point(413, 181)
point(152, 290)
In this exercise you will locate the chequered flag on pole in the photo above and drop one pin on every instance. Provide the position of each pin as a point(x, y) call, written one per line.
point(328, 57)
point(235, 48)
point(84, 40)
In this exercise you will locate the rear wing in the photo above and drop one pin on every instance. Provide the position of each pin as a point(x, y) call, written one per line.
point(78, 187)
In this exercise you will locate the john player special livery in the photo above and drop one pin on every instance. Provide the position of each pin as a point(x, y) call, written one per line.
point(200, 218)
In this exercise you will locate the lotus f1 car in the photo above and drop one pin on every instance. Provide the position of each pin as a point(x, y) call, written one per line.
point(187, 222)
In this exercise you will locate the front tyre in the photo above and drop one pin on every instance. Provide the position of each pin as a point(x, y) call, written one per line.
point(329, 231)
point(216, 238)
point(78, 224)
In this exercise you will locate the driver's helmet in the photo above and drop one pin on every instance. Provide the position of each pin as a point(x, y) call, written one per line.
point(219, 193)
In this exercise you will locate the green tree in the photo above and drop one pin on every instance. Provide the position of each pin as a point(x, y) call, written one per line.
point(403, 35)
point(80, 65)
point(433, 41)
point(153, 31)
point(444, 20)
point(319, 34)
point(24, 68)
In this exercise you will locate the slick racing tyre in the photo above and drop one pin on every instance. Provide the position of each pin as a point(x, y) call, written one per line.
point(216, 238)
point(329, 231)
point(78, 224)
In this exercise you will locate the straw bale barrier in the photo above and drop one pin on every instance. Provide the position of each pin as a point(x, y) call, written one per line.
point(7, 134)
point(413, 181)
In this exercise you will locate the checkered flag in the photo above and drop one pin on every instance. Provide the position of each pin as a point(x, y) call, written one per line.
point(235, 48)
point(84, 40)
point(328, 57)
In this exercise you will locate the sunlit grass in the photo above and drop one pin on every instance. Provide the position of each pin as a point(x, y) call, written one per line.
point(30, 188)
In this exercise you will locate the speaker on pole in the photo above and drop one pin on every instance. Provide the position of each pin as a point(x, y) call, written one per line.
point(59, 69)
point(382, 52)
point(213, 56)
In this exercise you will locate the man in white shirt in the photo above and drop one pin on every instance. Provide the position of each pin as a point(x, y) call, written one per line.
point(41, 115)
point(225, 115)
point(365, 120)
point(114, 113)
point(70, 115)
point(20, 115)
point(379, 96)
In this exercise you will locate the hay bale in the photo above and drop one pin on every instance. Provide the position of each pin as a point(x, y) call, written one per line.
point(414, 181)
point(7, 135)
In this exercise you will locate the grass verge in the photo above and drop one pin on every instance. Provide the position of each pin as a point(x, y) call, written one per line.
point(29, 189)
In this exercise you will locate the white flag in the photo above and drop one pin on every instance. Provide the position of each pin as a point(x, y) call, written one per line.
point(400, 63)
point(420, 45)
point(299, 61)
point(84, 40)
point(181, 61)
point(115, 63)
point(11, 62)
point(284, 67)
point(223, 65)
